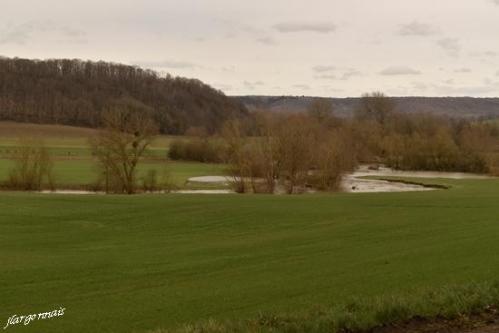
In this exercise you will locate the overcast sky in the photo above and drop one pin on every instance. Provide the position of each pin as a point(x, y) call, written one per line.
point(275, 47)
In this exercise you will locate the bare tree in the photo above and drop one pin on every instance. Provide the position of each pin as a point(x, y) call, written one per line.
point(263, 154)
point(236, 154)
point(333, 157)
point(32, 168)
point(295, 138)
point(321, 109)
point(121, 144)
point(375, 106)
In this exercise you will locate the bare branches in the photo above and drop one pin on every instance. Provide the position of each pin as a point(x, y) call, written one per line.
point(128, 132)
point(32, 167)
point(288, 153)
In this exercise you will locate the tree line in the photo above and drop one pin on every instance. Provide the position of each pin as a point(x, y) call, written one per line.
point(77, 93)
point(316, 148)
point(290, 153)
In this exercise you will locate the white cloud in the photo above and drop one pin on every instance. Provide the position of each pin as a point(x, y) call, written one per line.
point(402, 70)
point(319, 27)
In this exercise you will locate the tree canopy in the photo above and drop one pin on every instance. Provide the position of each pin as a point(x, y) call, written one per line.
point(76, 92)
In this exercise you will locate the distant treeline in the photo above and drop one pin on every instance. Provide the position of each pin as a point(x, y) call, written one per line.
point(75, 92)
point(456, 107)
point(316, 147)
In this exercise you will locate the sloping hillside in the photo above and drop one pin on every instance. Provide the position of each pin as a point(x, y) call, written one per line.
point(75, 92)
point(465, 107)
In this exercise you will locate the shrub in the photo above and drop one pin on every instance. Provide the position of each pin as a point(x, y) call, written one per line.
point(32, 167)
point(153, 182)
point(196, 149)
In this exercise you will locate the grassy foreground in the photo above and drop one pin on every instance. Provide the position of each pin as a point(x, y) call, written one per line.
point(363, 314)
point(133, 264)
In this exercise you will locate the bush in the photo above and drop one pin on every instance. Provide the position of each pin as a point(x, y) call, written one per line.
point(152, 182)
point(197, 149)
point(32, 167)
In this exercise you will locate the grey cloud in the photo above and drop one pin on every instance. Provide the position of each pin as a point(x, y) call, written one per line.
point(450, 45)
point(319, 27)
point(252, 85)
point(323, 69)
point(230, 69)
point(417, 29)
point(489, 54)
point(389, 71)
point(166, 64)
point(327, 74)
point(462, 70)
point(419, 86)
point(267, 41)
point(327, 77)
point(350, 73)
point(332, 89)
point(19, 34)
point(466, 90)
point(71, 32)
point(302, 86)
point(222, 86)
point(25, 32)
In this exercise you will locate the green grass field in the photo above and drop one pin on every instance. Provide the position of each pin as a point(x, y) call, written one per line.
point(130, 264)
point(77, 173)
point(74, 166)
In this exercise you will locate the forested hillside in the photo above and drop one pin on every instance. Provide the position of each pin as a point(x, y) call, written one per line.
point(458, 107)
point(75, 92)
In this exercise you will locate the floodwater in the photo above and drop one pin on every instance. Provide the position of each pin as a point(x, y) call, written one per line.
point(352, 183)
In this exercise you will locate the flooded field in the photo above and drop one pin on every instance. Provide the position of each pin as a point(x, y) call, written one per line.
point(355, 182)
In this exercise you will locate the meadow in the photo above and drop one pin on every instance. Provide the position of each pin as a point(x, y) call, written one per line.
point(147, 262)
point(74, 165)
point(138, 263)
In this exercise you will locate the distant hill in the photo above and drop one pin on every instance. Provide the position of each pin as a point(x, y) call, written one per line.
point(75, 92)
point(461, 107)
